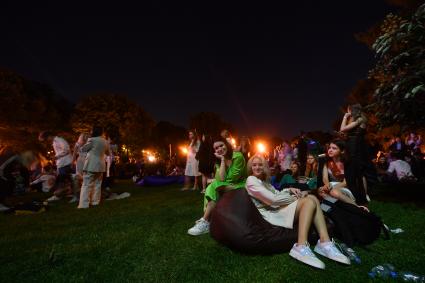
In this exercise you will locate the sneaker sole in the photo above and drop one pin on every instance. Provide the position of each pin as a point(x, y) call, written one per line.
point(297, 257)
point(334, 259)
point(197, 234)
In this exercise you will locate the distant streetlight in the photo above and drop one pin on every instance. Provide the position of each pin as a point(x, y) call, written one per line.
point(261, 148)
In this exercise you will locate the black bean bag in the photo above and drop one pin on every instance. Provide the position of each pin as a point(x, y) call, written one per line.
point(237, 224)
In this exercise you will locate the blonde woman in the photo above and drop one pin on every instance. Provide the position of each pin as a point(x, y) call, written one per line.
point(287, 207)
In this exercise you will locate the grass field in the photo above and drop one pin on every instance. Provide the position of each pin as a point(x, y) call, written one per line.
point(143, 239)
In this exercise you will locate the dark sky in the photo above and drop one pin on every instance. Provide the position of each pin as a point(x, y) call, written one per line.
point(271, 70)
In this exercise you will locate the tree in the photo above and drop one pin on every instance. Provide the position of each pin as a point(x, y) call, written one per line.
point(116, 113)
point(400, 72)
point(26, 108)
point(209, 123)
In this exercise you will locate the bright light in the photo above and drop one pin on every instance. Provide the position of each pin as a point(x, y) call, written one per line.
point(183, 150)
point(233, 142)
point(261, 147)
point(151, 158)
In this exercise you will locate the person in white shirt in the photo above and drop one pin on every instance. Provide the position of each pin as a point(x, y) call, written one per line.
point(47, 179)
point(400, 167)
point(63, 159)
point(289, 206)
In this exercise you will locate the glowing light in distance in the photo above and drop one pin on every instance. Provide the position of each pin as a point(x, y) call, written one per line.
point(183, 149)
point(261, 147)
point(151, 158)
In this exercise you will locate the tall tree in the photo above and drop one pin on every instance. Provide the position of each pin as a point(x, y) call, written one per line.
point(26, 108)
point(400, 72)
point(116, 113)
point(209, 123)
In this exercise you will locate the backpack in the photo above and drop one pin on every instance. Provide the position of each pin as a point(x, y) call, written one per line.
point(353, 225)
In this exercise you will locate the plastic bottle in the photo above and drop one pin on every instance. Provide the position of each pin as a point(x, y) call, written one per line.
point(350, 253)
point(385, 270)
point(407, 276)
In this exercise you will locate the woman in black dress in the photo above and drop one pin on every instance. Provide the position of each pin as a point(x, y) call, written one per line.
point(206, 159)
point(358, 165)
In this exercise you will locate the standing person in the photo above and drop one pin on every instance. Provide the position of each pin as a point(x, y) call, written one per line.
point(205, 156)
point(79, 157)
point(192, 165)
point(110, 164)
point(244, 147)
point(357, 165)
point(225, 134)
point(63, 159)
point(94, 167)
point(230, 174)
point(302, 152)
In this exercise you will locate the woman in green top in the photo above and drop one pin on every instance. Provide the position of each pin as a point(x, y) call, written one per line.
point(230, 173)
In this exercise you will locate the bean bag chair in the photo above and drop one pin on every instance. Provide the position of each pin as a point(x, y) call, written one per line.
point(161, 180)
point(237, 224)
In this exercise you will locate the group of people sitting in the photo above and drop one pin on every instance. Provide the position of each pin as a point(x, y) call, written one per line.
point(281, 208)
point(341, 175)
point(401, 161)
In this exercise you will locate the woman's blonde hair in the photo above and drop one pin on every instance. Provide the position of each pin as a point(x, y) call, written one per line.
point(266, 174)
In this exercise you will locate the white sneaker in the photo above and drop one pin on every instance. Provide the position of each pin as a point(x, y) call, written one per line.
point(304, 254)
point(3, 207)
point(53, 198)
point(73, 199)
point(201, 227)
point(329, 250)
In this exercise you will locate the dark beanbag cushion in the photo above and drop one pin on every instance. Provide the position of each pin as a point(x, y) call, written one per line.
point(236, 223)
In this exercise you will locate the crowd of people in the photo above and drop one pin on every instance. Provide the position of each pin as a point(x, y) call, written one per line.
point(288, 184)
point(79, 173)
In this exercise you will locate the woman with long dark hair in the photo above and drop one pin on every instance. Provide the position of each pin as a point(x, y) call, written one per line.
point(230, 175)
point(357, 164)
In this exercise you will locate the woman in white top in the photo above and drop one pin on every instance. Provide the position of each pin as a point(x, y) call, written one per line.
point(289, 206)
point(192, 165)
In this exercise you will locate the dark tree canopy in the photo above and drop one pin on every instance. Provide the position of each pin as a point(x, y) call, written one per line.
point(400, 72)
point(26, 108)
point(208, 123)
point(117, 115)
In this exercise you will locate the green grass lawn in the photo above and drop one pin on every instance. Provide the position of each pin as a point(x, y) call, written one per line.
point(143, 239)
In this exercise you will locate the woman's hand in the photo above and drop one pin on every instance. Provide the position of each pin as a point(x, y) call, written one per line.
point(347, 115)
point(324, 189)
point(219, 156)
point(296, 192)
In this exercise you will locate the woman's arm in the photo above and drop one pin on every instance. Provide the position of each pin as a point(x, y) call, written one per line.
point(345, 126)
point(256, 189)
point(237, 168)
point(222, 169)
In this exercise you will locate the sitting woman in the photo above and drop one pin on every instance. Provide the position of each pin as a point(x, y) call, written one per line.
point(230, 174)
point(289, 206)
point(311, 170)
point(291, 179)
point(333, 174)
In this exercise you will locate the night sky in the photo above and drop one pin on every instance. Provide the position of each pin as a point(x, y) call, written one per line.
point(268, 70)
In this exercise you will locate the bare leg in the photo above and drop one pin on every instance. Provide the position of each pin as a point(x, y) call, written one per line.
point(208, 210)
point(195, 184)
point(336, 193)
point(319, 221)
point(304, 213)
point(204, 182)
point(186, 182)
